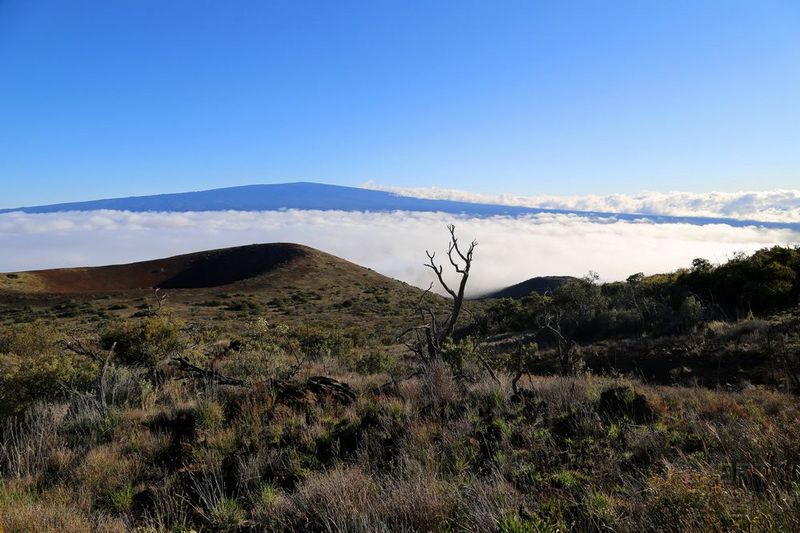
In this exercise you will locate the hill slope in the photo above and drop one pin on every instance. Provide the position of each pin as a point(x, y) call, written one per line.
point(540, 284)
point(253, 267)
point(214, 268)
point(271, 280)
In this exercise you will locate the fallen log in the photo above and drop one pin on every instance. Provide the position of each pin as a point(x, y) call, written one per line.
point(208, 375)
point(323, 385)
point(292, 390)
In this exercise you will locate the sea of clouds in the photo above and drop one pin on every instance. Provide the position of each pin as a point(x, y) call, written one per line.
point(510, 249)
point(764, 206)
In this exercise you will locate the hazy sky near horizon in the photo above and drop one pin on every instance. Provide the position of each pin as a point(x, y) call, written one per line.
point(131, 97)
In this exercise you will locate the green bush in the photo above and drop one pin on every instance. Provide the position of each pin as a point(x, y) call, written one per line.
point(318, 343)
point(690, 312)
point(374, 362)
point(512, 523)
point(456, 354)
point(33, 367)
point(144, 342)
point(119, 500)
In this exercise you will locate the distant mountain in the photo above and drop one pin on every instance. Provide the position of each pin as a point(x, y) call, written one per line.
point(333, 197)
point(541, 284)
point(280, 196)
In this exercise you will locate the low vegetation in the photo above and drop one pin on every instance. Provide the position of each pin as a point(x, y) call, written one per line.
point(662, 403)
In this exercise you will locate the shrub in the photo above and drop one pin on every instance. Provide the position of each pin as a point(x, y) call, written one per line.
point(27, 340)
point(120, 500)
point(144, 342)
point(25, 512)
point(689, 501)
point(317, 344)
point(690, 312)
point(32, 368)
point(209, 415)
point(104, 472)
point(24, 381)
point(513, 523)
point(220, 511)
point(374, 362)
point(343, 497)
point(457, 353)
point(27, 444)
point(624, 401)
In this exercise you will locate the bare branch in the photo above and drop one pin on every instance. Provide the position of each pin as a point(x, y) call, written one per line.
point(455, 264)
point(77, 347)
point(438, 269)
point(454, 246)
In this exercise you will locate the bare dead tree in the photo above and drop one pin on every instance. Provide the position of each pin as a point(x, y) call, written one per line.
point(428, 337)
point(525, 355)
point(462, 264)
point(159, 297)
point(102, 380)
point(300, 359)
point(552, 322)
point(422, 342)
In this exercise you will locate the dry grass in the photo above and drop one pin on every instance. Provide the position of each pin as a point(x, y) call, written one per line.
point(439, 456)
point(438, 453)
point(23, 510)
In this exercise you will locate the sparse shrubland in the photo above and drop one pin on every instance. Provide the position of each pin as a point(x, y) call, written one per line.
point(436, 455)
point(530, 417)
point(659, 326)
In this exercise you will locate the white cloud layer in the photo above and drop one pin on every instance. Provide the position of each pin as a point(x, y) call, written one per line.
point(764, 206)
point(510, 249)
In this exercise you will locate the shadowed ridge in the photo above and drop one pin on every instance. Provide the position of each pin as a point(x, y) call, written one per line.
point(540, 284)
point(223, 267)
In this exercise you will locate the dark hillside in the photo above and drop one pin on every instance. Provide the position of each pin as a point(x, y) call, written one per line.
point(539, 284)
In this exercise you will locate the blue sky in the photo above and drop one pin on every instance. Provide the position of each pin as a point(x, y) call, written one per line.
point(103, 99)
